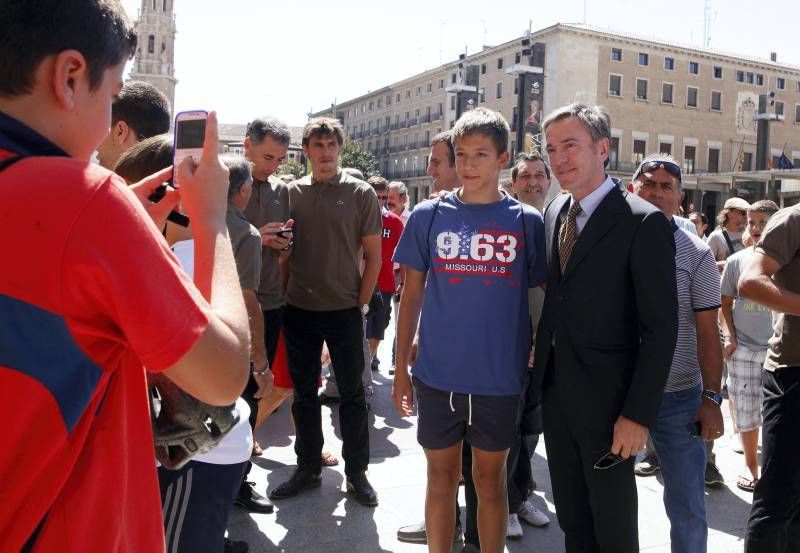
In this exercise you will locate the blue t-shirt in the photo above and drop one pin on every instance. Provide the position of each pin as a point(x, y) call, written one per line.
point(474, 333)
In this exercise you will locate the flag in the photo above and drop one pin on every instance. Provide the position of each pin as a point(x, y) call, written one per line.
point(784, 162)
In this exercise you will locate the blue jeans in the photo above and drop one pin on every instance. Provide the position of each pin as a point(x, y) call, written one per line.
point(683, 461)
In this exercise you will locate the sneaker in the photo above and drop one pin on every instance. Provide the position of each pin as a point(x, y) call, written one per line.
point(514, 528)
point(391, 370)
point(470, 548)
point(376, 364)
point(533, 516)
point(647, 466)
point(713, 478)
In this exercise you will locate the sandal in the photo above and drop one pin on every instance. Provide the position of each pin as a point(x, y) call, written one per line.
point(746, 484)
point(329, 459)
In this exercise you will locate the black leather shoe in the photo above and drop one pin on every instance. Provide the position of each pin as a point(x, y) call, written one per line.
point(232, 546)
point(299, 481)
point(362, 491)
point(251, 500)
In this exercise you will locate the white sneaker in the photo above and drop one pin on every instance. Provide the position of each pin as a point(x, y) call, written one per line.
point(530, 514)
point(514, 528)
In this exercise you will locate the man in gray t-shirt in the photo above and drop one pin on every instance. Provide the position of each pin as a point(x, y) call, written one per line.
point(772, 278)
point(746, 329)
point(727, 237)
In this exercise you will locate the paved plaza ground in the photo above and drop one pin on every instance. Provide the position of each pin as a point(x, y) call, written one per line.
point(325, 520)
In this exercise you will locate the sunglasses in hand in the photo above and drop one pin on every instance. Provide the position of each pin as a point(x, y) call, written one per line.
point(607, 461)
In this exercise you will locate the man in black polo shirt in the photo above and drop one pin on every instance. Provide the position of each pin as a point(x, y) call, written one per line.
point(337, 219)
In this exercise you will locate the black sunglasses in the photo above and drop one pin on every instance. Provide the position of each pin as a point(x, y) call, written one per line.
point(608, 460)
point(649, 166)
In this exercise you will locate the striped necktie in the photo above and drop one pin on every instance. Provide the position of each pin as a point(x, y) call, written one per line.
point(568, 235)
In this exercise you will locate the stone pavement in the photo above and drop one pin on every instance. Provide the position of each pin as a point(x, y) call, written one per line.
point(325, 520)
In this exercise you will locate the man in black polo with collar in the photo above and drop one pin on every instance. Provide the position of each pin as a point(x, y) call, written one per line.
point(338, 224)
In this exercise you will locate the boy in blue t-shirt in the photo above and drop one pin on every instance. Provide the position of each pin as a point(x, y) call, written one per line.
point(471, 256)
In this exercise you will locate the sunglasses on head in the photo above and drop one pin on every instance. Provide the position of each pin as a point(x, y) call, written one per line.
point(650, 166)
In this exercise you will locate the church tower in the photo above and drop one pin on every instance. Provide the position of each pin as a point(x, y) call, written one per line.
point(155, 54)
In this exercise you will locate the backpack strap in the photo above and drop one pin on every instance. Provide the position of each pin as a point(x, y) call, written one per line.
point(731, 250)
point(8, 162)
point(436, 203)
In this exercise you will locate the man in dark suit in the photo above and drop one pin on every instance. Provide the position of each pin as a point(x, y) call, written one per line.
point(606, 337)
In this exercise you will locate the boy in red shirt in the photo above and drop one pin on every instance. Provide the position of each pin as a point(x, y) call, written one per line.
point(391, 229)
point(81, 316)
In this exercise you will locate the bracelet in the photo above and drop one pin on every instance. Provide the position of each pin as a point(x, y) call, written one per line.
point(261, 373)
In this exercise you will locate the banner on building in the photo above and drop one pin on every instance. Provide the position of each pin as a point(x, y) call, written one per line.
point(531, 103)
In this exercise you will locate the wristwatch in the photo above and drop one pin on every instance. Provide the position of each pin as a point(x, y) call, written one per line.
point(365, 309)
point(713, 396)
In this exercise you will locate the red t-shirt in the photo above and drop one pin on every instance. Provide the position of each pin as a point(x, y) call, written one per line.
point(89, 295)
point(390, 236)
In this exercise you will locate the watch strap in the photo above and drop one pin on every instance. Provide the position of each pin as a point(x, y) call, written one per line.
point(713, 396)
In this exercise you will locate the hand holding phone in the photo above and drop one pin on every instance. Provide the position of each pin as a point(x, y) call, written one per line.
point(277, 235)
point(204, 184)
point(190, 133)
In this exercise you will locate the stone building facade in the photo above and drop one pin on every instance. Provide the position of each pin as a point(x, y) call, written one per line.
point(155, 54)
point(694, 103)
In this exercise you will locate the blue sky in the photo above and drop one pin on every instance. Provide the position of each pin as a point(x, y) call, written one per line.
point(251, 57)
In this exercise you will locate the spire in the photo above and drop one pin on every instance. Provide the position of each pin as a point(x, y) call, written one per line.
point(155, 54)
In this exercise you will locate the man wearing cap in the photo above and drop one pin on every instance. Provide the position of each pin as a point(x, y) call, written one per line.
point(727, 237)
point(691, 396)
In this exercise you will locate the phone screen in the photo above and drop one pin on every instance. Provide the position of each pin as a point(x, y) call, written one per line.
point(190, 134)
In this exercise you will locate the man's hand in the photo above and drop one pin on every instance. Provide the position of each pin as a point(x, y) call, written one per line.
point(729, 346)
point(269, 238)
point(531, 355)
point(710, 416)
point(403, 393)
point(265, 383)
point(147, 186)
point(412, 357)
point(204, 185)
point(629, 437)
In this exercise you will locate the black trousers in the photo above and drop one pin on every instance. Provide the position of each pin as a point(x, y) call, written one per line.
point(273, 320)
point(197, 500)
point(774, 524)
point(343, 331)
point(597, 509)
point(520, 476)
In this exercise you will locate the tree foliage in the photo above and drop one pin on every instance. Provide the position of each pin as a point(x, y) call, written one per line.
point(291, 166)
point(353, 156)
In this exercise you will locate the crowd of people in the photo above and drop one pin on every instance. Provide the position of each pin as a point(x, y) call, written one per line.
point(240, 285)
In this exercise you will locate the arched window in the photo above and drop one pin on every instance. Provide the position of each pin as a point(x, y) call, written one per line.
point(151, 44)
point(154, 4)
point(164, 5)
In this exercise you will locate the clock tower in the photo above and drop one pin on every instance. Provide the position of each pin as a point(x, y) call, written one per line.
point(155, 54)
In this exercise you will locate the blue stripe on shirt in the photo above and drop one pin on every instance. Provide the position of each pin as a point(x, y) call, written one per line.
point(39, 344)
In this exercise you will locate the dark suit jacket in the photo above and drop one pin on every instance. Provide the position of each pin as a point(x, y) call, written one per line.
point(612, 315)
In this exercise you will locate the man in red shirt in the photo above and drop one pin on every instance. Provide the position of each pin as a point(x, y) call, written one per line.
point(391, 229)
point(90, 294)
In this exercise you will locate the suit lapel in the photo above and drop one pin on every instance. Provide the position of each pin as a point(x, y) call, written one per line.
point(599, 224)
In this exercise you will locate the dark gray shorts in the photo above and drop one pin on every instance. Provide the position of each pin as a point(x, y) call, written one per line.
point(378, 321)
point(444, 419)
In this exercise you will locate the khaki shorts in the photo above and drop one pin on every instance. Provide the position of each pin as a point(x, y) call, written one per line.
point(744, 386)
